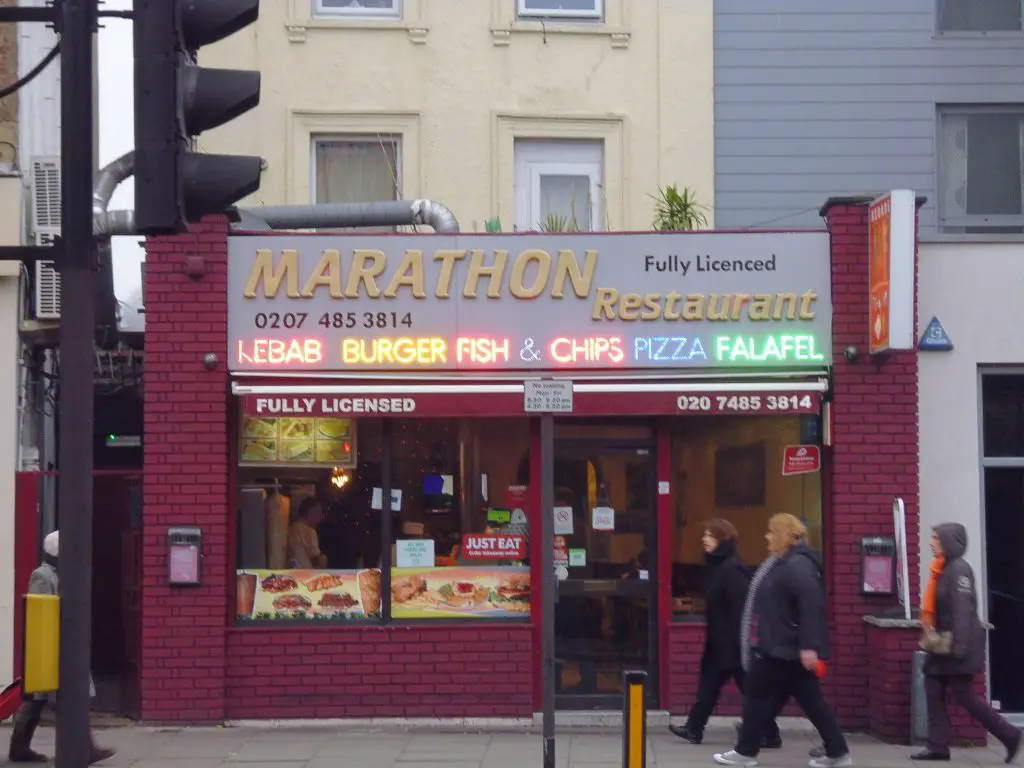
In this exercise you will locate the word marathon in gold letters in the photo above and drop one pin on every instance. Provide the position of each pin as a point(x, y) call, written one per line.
point(530, 274)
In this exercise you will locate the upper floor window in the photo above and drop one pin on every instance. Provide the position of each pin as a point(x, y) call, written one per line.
point(358, 8)
point(561, 9)
point(980, 156)
point(980, 15)
point(559, 185)
point(356, 169)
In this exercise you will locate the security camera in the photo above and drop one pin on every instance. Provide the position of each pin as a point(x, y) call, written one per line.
point(851, 354)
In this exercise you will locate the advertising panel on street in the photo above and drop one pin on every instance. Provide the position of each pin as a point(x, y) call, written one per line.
point(529, 303)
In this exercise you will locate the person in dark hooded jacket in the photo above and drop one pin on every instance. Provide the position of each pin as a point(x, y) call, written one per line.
point(955, 641)
point(789, 643)
point(725, 596)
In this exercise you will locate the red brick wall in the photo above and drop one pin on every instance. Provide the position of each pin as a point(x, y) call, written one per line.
point(874, 458)
point(186, 477)
point(394, 671)
point(194, 667)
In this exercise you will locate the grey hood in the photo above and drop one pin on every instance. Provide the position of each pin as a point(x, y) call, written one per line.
point(953, 538)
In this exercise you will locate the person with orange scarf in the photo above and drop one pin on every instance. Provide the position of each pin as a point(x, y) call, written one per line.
point(954, 639)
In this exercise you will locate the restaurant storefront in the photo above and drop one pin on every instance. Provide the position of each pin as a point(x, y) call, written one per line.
point(394, 380)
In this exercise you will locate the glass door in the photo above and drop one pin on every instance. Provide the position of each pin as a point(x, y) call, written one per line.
point(604, 549)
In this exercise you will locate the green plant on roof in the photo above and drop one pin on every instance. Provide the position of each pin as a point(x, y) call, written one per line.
point(677, 210)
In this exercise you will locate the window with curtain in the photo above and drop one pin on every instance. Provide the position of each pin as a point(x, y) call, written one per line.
point(357, 169)
point(371, 8)
point(980, 15)
point(559, 185)
point(980, 155)
point(567, 9)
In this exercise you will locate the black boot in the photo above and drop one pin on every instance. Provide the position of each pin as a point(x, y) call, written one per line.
point(97, 754)
point(686, 733)
point(1012, 748)
point(931, 755)
point(26, 720)
point(772, 741)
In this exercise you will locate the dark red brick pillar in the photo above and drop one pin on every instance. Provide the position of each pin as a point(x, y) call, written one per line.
point(183, 663)
point(874, 458)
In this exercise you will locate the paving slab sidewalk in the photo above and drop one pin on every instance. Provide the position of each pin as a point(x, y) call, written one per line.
point(322, 747)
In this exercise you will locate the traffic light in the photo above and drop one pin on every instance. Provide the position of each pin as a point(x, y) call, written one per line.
point(176, 100)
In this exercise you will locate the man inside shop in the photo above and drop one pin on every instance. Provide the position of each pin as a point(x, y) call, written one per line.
point(303, 541)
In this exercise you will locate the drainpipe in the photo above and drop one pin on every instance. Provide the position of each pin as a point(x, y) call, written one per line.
point(380, 214)
point(106, 224)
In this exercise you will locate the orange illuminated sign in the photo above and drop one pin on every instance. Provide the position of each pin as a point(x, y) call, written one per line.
point(398, 351)
point(879, 260)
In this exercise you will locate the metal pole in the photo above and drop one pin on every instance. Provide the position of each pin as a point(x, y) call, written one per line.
point(387, 456)
point(77, 322)
point(548, 584)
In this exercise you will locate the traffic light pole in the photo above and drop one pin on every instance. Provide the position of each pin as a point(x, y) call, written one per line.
point(77, 322)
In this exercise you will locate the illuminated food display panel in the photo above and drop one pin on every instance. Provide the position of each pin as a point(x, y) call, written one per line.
point(267, 440)
point(529, 303)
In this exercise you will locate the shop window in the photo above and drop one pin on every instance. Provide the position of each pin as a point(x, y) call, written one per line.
point(734, 468)
point(356, 169)
point(979, 16)
point(309, 527)
point(462, 532)
point(980, 159)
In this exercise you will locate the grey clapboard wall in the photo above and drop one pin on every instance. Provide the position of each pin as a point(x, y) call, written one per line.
point(815, 98)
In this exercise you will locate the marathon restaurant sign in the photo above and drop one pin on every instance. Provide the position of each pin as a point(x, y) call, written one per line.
point(475, 302)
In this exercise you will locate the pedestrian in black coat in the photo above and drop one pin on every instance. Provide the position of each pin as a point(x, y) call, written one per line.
point(789, 645)
point(955, 641)
point(721, 661)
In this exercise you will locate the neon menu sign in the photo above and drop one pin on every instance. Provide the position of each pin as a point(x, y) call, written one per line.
point(468, 352)
point(529, 302)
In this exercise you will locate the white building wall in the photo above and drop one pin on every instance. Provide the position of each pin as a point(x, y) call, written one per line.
point(38, 102)
point(975, 291)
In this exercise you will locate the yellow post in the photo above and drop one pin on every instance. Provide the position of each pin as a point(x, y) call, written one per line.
point(41, 638)
point(634, 720)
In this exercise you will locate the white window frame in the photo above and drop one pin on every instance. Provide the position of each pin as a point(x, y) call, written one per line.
point(952, 225)
point(355, 138)
point(558, 13)
point(321, 11)
point(563, 157)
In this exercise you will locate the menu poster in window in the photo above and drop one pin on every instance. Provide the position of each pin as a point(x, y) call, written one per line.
point(458, 592)
point(307, 594)
point(296, 442)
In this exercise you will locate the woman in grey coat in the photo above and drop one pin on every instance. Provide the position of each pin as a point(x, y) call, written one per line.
point(44, 581)
point(955, 641)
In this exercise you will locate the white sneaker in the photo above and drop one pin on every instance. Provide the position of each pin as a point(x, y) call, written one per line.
point(831, 762)
point(732, 757)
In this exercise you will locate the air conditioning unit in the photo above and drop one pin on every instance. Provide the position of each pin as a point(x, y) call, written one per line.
point(46, 221)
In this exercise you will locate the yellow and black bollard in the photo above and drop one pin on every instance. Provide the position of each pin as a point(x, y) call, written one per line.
point(634, 720)
point(41, 652)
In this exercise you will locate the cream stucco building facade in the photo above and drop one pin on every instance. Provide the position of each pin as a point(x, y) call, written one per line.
point(525, 110)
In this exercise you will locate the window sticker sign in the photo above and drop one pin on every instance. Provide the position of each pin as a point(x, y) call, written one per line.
point(480, 546)
point(538, 302)
point(801, 460)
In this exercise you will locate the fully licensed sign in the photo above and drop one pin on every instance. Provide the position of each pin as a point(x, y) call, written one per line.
point(530, 302)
